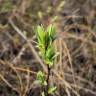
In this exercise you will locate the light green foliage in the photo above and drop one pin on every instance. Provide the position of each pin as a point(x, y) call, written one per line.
point(41, 78)
point(40, 32)
point(45, 40)
point(51, 32)
point(52, 90)
point(43, 94)
point(50, 56)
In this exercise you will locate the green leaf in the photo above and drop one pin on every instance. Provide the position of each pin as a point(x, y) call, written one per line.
point(45, 43)
point(49, 56)
point(52, 90)
point(43, 94)
point(40, 75)
point(45, 83)
point(50, 63)
point(51, 31)
point(40, 32)
point(41, 78)
point(50, 52)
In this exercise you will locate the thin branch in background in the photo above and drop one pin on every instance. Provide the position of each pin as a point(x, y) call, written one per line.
point(29, 44)
point(6, 82)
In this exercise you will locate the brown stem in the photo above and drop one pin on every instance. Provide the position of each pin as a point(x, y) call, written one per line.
point(48, 75)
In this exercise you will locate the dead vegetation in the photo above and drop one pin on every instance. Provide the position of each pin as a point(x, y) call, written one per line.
point(74, 72)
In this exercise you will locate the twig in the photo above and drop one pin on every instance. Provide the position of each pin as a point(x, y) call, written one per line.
point(48, 75)
point(29, 44)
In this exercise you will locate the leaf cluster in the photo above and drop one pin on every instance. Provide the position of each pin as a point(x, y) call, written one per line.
point(41, 78)
point(45, 40)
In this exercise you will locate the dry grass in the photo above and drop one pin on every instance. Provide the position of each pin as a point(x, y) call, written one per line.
point(75, 67)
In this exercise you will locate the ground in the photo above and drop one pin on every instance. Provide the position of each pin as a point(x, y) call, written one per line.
point(75, 67)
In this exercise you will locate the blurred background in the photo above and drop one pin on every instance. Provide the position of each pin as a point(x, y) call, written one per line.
point(75, 67)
